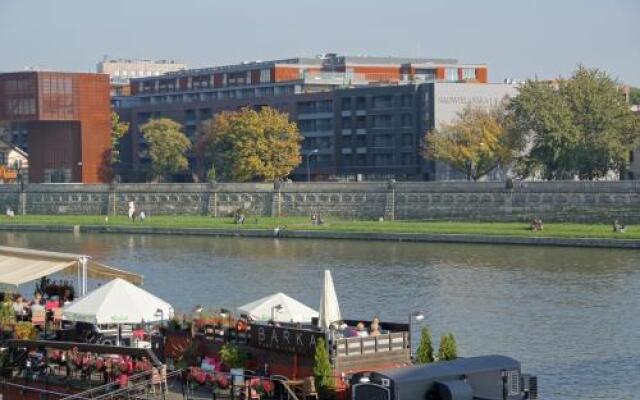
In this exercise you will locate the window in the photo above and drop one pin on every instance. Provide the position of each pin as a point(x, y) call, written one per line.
point(324, 106)
point(468, 73)
point(406, 159)
point(382, 121)
point(382, 101)
point(347, 104)
point(407, 140)
point(3, 158)
point(347, 123)
point(325, 124)
point(265, 75)
point(451, 74)
point(361, 122)
point(382, 141)
point(361, 103)
point(406, 120)
point(406, 100)
point(380, 160)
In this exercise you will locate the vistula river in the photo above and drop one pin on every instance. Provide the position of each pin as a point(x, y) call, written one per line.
point(571, 316)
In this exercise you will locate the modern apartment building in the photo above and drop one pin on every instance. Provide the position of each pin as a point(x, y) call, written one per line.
point(361, 117)
point(62, 120)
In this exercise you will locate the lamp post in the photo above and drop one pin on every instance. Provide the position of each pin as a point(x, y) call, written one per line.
point(277, 307)
point(414, 315)
point(314, 151)
point(160, 313)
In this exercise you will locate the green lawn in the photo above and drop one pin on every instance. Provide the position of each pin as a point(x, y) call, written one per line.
point(570, 230)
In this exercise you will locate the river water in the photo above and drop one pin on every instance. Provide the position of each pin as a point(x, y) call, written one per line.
point(571, 316)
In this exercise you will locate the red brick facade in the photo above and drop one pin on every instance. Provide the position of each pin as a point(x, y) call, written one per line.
point(68, 120)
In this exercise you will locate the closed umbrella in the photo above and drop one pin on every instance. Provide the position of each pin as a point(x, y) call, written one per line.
point(329, 307)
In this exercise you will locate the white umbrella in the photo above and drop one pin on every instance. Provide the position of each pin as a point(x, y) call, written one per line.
point(279, 307)
point(118, 302)
point(329, 307)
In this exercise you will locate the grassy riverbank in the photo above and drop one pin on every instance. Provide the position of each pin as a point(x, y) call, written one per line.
point(560, 230)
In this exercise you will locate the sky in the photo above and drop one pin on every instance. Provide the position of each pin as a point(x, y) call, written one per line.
point(516, 38)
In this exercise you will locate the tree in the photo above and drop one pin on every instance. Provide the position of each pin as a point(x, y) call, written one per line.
point(476, 142)
point(249, 145)
point(322, 369)
point(118, 130)
point(448, 348)
point(579, 126)
point(167, 146)
point(424, 354)
point(111, 156)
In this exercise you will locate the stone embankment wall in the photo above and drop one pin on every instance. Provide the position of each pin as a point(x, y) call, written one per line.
point(562, 201)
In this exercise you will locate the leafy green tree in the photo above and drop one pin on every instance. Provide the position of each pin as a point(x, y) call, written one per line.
point(249, 145)
point(168, 146)
point(476, 142)
point(579, 126)
point(322, 369)
point(448, 348)
point(424, 353)
point(118, 130)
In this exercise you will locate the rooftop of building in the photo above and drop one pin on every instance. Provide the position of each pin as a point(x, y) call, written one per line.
point(327, 60)
point(138, 61)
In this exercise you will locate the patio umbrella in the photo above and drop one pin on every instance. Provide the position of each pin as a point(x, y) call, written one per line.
point(329, 307)
point(118, 302)
point(279, 307)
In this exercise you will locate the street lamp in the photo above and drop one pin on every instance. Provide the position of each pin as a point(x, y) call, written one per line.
point(414, 315)
point(314, 151)
point(277, 307)
point(159, 313)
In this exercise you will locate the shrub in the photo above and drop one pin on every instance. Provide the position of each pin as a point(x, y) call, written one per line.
point(424, 354)
point(448, 348)
point(232, 357)
point(322, 370)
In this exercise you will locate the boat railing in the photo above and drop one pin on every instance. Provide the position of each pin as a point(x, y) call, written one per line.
point(394, 341)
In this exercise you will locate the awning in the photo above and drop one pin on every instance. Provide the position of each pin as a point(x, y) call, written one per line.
point(18, 266)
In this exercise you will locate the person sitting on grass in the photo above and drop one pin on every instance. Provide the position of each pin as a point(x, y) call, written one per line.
point(239, 218)
point(537, 225)
point(619, 227)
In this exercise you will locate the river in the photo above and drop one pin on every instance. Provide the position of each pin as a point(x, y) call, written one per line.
point(570, 315)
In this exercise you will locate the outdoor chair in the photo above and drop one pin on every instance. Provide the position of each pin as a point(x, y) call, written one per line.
point(39, 318)
point(57, 318)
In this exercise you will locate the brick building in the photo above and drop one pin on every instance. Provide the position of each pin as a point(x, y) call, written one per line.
point(361, 117)
point(62, 120)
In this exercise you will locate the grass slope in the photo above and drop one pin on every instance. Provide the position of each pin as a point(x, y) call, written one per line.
point(566, 230)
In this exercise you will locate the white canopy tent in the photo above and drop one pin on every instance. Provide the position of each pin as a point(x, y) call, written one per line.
point(19, 265)
point(280, 308)
point(118, 302)
point(329, 307)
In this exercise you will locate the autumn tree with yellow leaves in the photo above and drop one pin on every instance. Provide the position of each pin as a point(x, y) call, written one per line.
point(476, 142)
point(248, 145)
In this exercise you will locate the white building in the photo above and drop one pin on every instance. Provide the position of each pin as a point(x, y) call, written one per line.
point(121, 70)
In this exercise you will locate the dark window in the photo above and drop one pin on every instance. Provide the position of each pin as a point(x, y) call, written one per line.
point(406, 100)
point(406, 159)
point(382, 140)
point(347, 123)
point(361, 122)
point(382, 121)
point(407, 140)
point(361, 103)
point(382, 101)
point(347, 103)
point(406, 120)
point(383, 159)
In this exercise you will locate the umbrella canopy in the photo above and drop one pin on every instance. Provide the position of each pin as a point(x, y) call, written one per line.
point(118, 302)
point(329, 307)
point(282, 307)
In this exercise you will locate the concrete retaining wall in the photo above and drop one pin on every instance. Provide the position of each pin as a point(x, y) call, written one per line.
point(559, 201)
